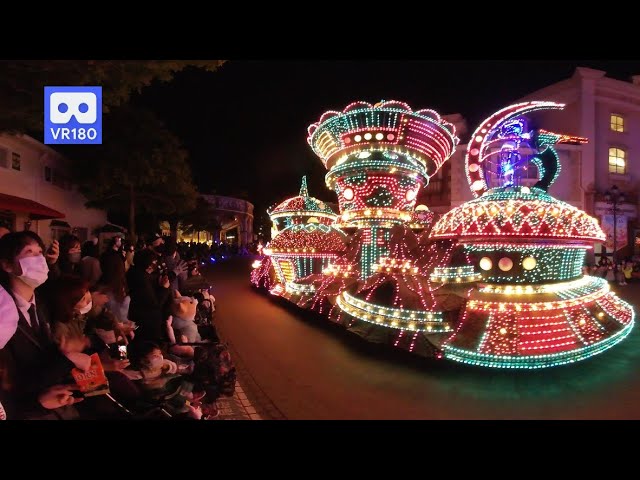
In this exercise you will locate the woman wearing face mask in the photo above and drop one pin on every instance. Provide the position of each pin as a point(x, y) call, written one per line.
point(74, 351)
point(23, 268)
point(70, 257)
point(70, 302)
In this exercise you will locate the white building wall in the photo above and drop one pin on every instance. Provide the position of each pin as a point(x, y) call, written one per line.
point(29, 183)
point(591, 98)
point(460, 191)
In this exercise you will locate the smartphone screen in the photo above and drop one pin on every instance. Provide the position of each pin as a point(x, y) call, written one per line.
point(122, 349)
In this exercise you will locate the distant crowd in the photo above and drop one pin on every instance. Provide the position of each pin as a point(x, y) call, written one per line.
point(217, 251)
point(623, 273)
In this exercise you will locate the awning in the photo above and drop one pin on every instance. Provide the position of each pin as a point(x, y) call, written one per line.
point(36, 210)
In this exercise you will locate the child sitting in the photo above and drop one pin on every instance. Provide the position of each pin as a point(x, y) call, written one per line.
point(151, 367)
point(160, 381)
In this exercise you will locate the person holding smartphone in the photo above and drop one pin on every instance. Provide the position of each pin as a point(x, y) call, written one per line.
point(149, 293)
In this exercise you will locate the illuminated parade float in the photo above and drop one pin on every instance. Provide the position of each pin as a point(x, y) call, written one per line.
point(495, 282)
point(304, 240)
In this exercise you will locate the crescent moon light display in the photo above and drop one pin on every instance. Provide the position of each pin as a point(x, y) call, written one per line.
point(498, 135)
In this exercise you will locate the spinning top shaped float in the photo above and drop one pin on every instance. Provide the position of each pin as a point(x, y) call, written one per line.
point(534, 308)
point(378, 157)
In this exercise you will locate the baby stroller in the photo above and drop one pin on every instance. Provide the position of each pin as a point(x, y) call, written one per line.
point(214, 371)
point(198, 288)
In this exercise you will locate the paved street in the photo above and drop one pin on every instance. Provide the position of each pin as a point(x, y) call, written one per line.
point(294, 365)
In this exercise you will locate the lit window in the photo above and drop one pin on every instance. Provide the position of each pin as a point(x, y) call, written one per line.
point(617, 122)
point(617, 160)
point(528, 171)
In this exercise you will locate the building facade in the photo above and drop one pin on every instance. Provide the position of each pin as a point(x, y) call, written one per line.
point(607, 112)
point(235, 217)
point(440, 195)
point(36, 192)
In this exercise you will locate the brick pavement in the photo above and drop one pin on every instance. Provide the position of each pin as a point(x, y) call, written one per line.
point(237, 407)
point(249, 401)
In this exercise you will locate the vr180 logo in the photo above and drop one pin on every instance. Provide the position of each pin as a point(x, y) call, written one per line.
point(72, 115)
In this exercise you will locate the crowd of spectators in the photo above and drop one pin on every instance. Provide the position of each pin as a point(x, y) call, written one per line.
point(205, 253)
point(123, 333)
point(623, 273)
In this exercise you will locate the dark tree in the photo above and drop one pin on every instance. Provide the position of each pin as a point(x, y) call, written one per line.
point(140, 166)
point(22, 84)
point(201, 219)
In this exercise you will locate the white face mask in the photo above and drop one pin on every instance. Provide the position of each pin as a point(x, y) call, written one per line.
point(34, 270)
point(86, 308)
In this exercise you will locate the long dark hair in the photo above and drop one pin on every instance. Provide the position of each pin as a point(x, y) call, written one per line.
point(65, 292)
point(114, 274)
point(67, 242)
point(11, 245)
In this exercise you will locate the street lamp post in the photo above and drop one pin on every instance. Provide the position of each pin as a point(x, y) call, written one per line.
point(614, 197)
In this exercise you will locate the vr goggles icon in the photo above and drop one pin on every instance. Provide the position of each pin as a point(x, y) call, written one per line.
point(81, 105)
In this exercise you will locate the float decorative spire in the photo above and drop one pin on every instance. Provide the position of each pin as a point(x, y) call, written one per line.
point(304, 192)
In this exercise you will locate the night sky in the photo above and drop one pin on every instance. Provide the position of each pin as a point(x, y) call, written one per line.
point(245, 125)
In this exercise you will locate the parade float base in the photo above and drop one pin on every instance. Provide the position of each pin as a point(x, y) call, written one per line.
point(544, 331)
